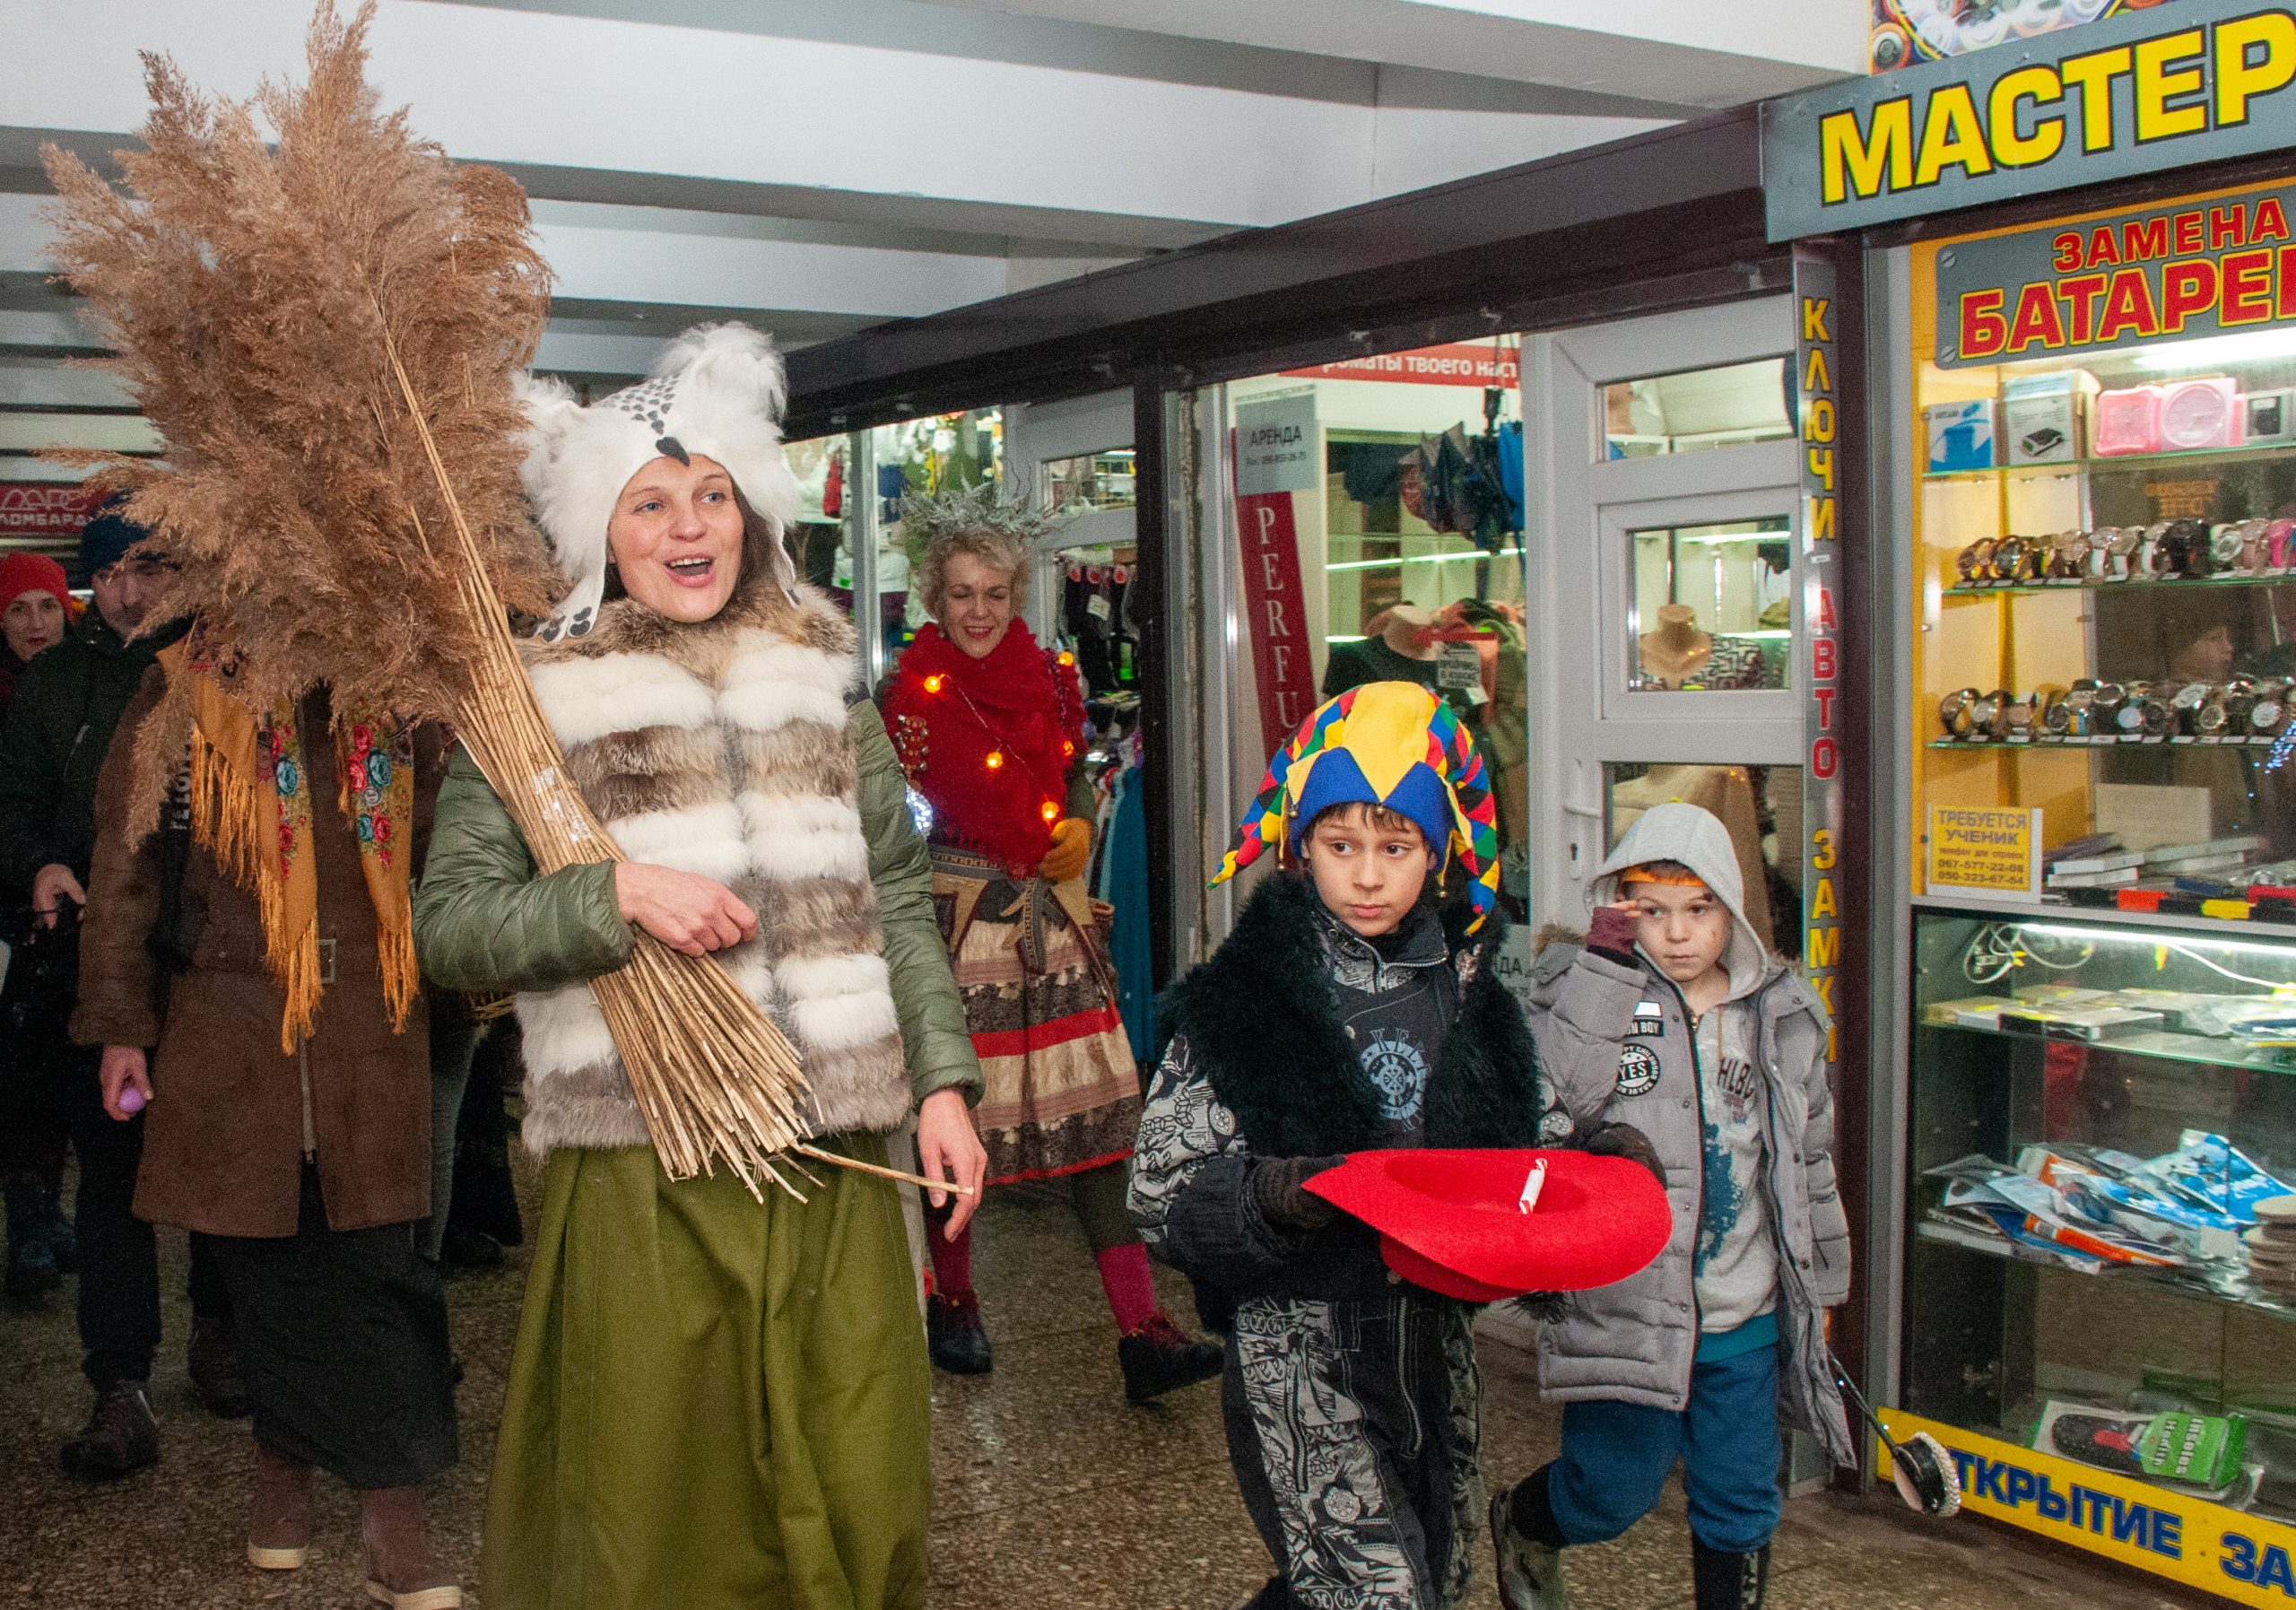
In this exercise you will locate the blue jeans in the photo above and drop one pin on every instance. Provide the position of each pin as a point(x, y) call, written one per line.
point(1616, 1456)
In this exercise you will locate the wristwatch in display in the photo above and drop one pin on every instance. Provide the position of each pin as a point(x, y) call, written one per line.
point(2144, 550)
point(2068, 557)
point(1975, 562)
point(2268, 713)
point(2100, 551)
point(2143, 712)
point(1956, 711)
point(2074, 716)
point(1984, 715)
point(2227, 549)
point(2049, 699)
point(2016, 559)
point(2276, 536)
point(2255, 551)
point(2017, 724)
point(2186, 708)
point(2187, 543)
point(2104, 707)
point(2232, 703)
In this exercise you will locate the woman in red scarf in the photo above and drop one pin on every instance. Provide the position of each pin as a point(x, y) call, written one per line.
point(989, 726)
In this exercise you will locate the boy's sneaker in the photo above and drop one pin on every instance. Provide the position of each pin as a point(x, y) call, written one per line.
point(1530, 1572)
point(1160, 1358)
point(953, 1334)
point(122, 1437)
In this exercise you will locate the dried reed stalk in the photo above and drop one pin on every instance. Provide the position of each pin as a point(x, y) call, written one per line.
point(317, 324)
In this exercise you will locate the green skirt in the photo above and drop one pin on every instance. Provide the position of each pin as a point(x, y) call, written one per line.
point(715, 1401)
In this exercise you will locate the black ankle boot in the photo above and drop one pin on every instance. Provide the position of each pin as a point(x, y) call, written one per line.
point(1721, 1580)
point(1160, 1358)
point(954, 1336)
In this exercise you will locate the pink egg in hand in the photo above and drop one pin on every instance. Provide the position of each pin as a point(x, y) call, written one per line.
point(131, 1099)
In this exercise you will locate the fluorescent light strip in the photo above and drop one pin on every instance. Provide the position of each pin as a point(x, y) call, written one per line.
point(1404, 559)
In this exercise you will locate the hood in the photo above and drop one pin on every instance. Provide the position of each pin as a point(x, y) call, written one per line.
point(1696, 838)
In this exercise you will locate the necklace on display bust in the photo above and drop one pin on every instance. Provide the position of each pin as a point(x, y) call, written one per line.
point(1678, 650)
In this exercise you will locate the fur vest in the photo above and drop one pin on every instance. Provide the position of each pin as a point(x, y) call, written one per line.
point(720, 748)
point(1267, 986)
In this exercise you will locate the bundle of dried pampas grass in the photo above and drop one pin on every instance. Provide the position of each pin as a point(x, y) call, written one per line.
point(323, 327)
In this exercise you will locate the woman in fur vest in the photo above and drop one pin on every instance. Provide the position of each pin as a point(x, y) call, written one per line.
point(715, 1400)
point(989, 726)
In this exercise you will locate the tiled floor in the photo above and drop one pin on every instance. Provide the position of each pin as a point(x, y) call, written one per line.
point(1051, 1491)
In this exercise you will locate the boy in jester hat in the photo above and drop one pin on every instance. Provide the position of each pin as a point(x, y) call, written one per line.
point(1354, 1007)
point(1676, 1017)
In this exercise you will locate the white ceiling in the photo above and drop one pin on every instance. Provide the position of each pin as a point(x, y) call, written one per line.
point(817, 166)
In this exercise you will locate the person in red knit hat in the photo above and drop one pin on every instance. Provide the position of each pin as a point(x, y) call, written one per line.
point(989, 726)
point(35, 607)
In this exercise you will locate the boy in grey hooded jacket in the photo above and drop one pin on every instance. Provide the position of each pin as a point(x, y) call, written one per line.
point(1675, 1018)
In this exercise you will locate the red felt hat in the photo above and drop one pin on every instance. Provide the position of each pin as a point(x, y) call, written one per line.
point(1453, 1221)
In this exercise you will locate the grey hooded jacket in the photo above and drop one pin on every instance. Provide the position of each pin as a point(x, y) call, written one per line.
point(1634, 1342)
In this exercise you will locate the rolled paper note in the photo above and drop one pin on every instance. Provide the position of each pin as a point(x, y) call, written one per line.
point(1534, 1182)
point(131, 1099)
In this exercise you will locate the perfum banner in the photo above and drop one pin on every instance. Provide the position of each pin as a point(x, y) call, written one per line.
point(2171, 273)
point(1279, 455)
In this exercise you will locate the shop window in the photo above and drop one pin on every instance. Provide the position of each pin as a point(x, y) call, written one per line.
point(1387, 491)
point(1091, 481)
point(1696, 409)
point(1762, 807)
point(1712, 606)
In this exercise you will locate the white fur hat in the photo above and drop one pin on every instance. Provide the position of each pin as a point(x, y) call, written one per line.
point(716, 392)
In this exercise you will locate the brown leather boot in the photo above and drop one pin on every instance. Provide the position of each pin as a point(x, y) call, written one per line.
point(401, 1570)
point(279, 1516)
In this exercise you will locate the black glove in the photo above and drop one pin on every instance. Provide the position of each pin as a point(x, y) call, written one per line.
point(1543, 1308)
point(1624, 1140)
point(1278, 1187)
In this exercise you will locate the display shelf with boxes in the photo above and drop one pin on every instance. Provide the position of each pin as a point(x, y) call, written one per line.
point(2105, 589)
point(2101, 1194)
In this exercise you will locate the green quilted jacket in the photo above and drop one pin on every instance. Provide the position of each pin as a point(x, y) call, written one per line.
point(484, 921)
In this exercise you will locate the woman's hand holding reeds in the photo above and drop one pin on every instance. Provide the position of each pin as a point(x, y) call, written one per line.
point(683, 909)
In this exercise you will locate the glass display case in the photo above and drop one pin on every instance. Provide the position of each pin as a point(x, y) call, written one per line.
point(2101, 1202)
point(2106, 591)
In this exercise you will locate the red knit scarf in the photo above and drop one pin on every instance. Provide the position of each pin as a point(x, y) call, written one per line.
point(989, 741)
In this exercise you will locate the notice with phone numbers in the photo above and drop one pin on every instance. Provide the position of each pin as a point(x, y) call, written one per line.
point(1990, 849)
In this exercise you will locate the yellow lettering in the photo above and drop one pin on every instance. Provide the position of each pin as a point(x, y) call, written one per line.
point(2239, 78)
point(1822, 856)
point(1952, 137)
point(2016, 149)
point(1817, 380)
point(2156, 120)
point(1814, 310)
point(1822, 903)
point(1824, 949)
point(1821, 520)
point(1854, 160)
point(1823, 985)
point(2095, 73)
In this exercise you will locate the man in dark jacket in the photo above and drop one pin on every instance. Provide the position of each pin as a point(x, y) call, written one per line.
point(58, 727)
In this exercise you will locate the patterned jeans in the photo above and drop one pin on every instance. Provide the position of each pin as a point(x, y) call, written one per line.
point(1354, 1428)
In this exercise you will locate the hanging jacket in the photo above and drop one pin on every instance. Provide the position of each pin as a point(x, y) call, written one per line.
point(1619, 1046)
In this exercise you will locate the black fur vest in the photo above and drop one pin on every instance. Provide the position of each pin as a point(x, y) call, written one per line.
point(1260, 1020)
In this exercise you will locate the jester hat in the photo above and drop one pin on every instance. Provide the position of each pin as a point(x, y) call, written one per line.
point(1391, 743)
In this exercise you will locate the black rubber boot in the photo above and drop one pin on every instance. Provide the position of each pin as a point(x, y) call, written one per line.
point(1528, 1544)
point(1724, 1581)
point(1160, 1358)
point(954, 1336)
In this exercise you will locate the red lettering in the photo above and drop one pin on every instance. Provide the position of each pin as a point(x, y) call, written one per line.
point(2066, 248)
point(2100, 247)
point(1826, 697)
point(2284, 303)
point(2228, 226)
point(2247, 288)
point(1823, 657)
point(2270, 223)
point(2037, 318)
point(2187, 287)
point(1983, 329)
point(1825, 621)
point(2128, 306)
point(2188, 228)
point(2080, 296)
point(1825, 759)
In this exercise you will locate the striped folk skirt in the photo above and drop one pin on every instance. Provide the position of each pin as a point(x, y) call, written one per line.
point(1061, 1091)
